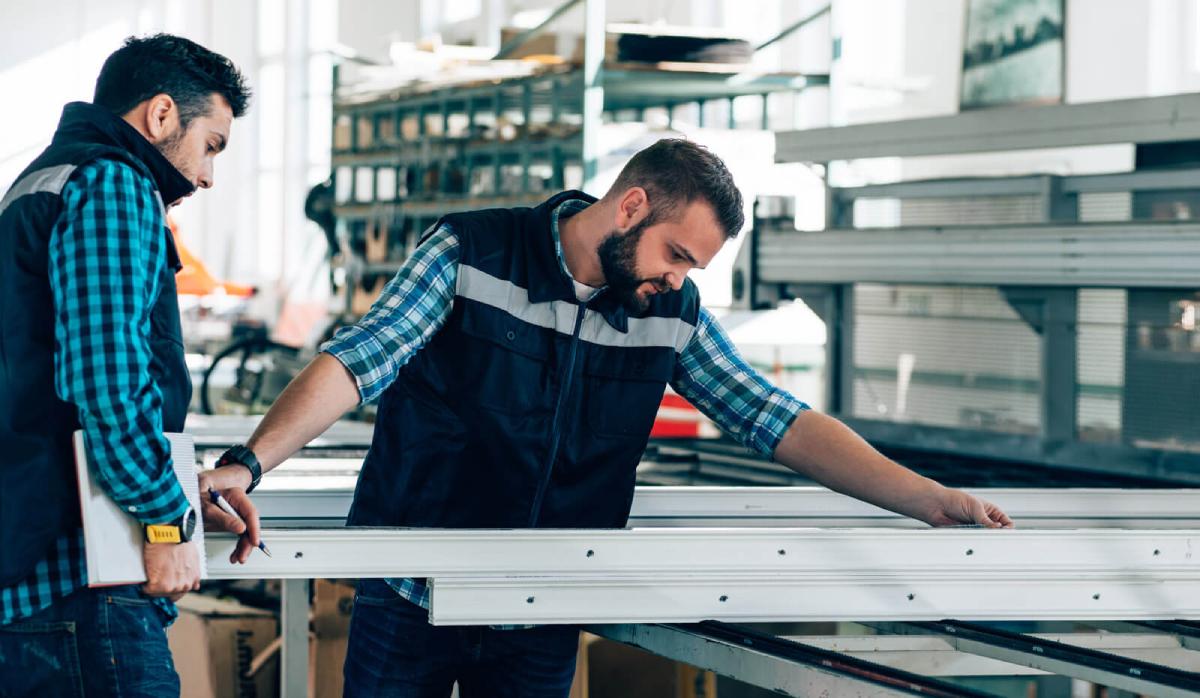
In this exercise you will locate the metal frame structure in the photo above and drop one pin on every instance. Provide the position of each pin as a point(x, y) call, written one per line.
point(376, 149)
point(681, 573)
point(1035, 266)
point(690, 575)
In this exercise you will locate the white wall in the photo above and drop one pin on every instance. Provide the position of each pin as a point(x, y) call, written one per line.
point(250, 226)
point(901, 60)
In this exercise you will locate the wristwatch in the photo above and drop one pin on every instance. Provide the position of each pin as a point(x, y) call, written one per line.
point(244, 456)
point(178, 531)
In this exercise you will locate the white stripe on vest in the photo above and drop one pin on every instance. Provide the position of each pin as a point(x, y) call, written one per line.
point(559, 316)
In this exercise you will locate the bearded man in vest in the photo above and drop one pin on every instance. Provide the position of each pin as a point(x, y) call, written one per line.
point(518, 360)
point(90, 340)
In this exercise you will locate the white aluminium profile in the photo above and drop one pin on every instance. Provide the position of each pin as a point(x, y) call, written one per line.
point(750, 598)
point(817, 506)
point(364, 552)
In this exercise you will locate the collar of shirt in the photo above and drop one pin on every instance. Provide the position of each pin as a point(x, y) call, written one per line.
point(563, 211)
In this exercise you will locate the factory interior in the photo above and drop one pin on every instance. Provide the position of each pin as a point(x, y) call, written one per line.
point(960, 261)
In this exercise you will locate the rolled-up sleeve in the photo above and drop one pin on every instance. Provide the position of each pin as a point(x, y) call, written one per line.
point(712, 375)
point(413, 306)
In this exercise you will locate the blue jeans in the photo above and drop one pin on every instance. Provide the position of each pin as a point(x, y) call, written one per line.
point(394, 652)
point(95, 642)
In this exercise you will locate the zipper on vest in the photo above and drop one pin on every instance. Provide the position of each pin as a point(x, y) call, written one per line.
point(557, 437)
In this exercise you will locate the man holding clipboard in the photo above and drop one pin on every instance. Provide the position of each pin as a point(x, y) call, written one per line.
point(90, 340)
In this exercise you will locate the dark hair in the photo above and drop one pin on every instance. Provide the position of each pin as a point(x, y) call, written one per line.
point(162, 63)
point(674, 172)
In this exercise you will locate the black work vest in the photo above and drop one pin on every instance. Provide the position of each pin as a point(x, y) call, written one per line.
point(38, 493)
point(528, 408)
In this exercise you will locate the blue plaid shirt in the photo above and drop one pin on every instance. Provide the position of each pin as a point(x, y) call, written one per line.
point(106, 256)
point(414, 305)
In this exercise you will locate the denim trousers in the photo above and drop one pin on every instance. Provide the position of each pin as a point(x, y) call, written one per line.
point(395, 653)
point(95, 642)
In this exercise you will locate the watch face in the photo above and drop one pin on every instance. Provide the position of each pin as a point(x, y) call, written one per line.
point(188, 523)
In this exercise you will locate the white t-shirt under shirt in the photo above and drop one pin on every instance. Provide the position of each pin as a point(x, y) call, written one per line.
point(584, 292)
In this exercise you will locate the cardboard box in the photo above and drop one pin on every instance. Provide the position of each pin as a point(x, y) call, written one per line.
point(213, 644)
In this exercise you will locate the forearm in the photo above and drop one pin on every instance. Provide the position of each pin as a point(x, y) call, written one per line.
point(822, 448)
point(311, 403)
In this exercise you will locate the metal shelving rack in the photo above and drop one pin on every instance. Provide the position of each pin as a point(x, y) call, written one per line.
point(1038, 266)
point(403, 158)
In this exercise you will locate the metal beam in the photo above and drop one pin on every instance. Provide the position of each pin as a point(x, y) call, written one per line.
point(1110, 255)
point(293, 614)
point(780, 666)
point(837, 597)
point(593, 90)
point(963, 552)
point(1144, 120)
point(1030, 185)
point(818, 507)
point(1076, 662)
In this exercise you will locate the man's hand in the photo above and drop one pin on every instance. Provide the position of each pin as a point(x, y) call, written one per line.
point(231, 482)
point(172, 569)
point(955, 508)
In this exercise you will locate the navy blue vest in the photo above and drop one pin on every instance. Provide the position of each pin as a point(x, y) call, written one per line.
point(38, 493)
point(527, 409)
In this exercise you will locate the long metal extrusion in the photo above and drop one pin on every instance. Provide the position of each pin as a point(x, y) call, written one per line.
point(808, 506)
point(782, 666)
point(808, 598)
point(1124, 255)
point(1076, 662)
point(752, 574)
point(1143, 120)
point(891, 554)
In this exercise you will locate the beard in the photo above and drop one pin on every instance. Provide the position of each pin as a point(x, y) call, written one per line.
point(618, 262)
point(172, 150)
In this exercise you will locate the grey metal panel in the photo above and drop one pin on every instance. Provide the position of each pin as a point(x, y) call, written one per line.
point(1145, 255)
point(1149, 120)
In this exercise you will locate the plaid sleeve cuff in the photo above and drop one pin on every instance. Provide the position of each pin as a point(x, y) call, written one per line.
point(365, 357)
point(150, 494)
point(163, 504)
point(773, 421)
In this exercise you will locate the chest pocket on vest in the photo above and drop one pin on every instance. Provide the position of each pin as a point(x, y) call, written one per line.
point(513, 368)
point(624, 389)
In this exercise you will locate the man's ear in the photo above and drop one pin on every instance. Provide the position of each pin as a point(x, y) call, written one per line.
point(632, 207)
point(162, 117)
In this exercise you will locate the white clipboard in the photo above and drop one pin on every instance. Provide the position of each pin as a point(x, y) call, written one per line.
point(112, 537)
